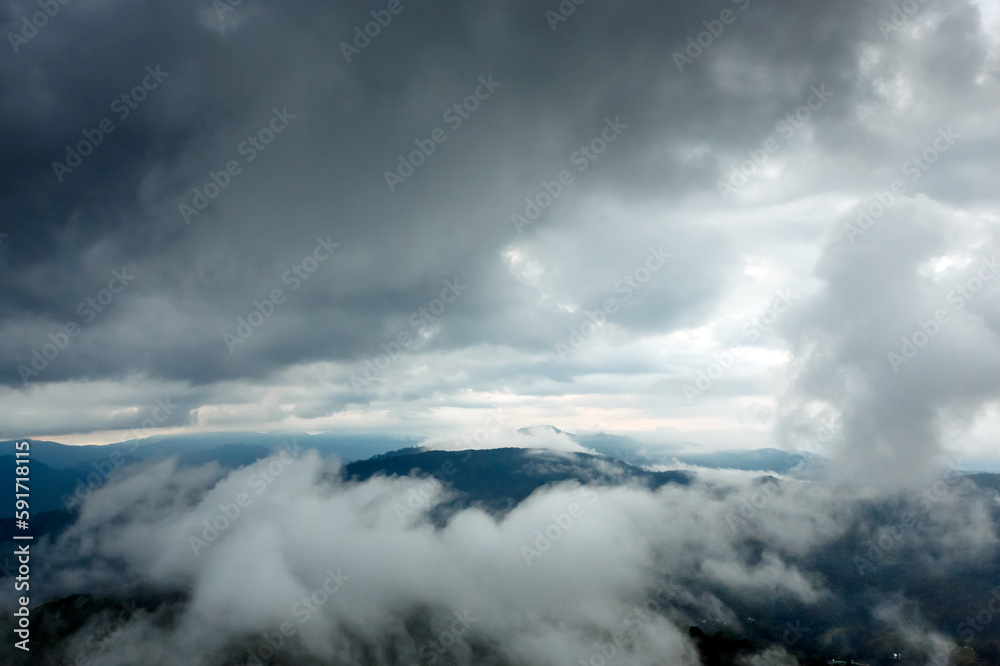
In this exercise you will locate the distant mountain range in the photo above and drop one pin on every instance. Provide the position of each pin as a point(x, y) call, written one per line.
point(60, 470)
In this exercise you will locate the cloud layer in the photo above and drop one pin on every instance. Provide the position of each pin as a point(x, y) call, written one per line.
point(358, 570)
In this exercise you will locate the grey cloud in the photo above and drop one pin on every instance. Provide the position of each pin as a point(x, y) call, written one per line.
point(853, 338)
point(222, 87)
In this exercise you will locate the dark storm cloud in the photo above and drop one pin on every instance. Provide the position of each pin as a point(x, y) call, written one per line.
point(324, 173)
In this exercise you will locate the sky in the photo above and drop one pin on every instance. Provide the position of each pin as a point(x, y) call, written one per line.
point(722, 224)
